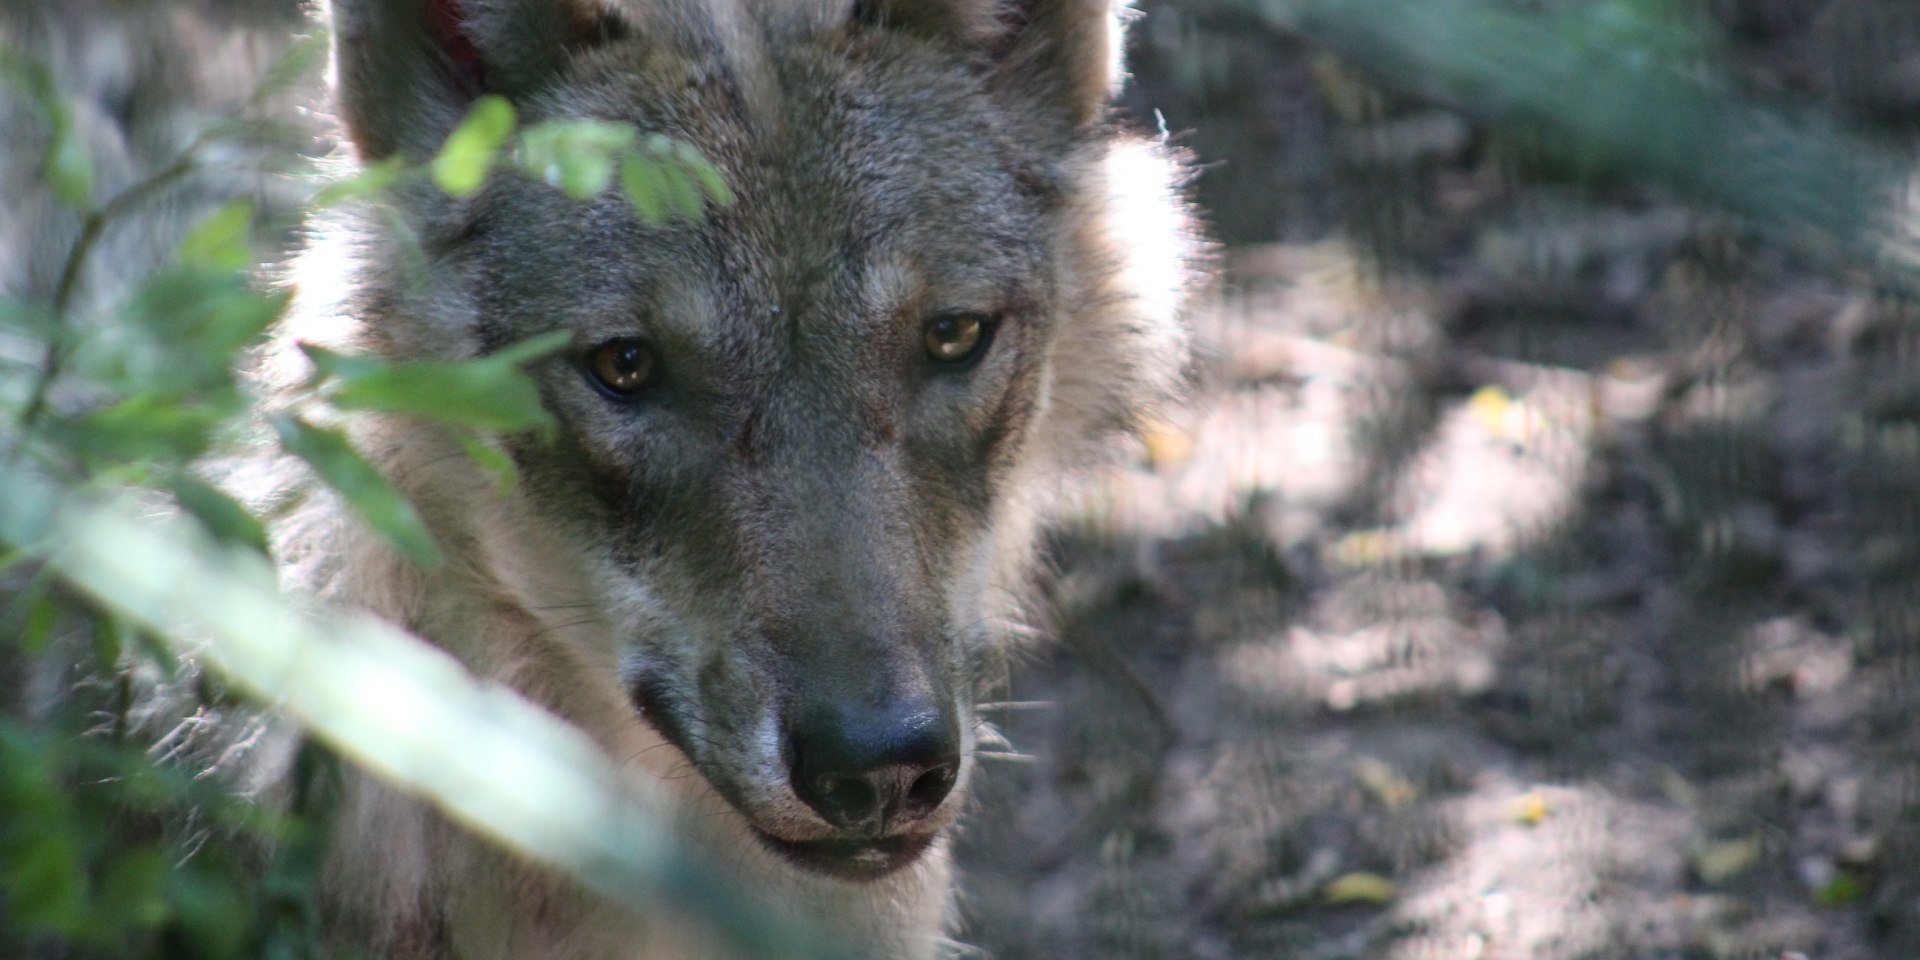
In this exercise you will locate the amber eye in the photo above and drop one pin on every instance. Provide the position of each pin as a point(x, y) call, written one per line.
point(621, 367)
point(956, 337)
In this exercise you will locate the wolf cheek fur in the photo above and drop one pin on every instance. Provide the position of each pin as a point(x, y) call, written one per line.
point(803, 442)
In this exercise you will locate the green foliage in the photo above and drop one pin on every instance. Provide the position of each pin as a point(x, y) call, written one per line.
point(575, 155)
point(665, 179)
point(370, 183)
point(220, 243)
point(124, 891)
point(489, 393)
point(340, 466)
point(1847, 887)
point(1622, 88)
point(106, 851)
point(66, 164)
point(466, 158)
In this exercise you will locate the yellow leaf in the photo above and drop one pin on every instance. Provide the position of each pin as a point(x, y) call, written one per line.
point(1719, 861)
point(1384, 783)
point(1360, 887)
point(1365, 548)
point(1531, 809)
point(1167, 445)
point(1503, 415)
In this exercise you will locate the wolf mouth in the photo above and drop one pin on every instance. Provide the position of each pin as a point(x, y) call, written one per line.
point(858, 860)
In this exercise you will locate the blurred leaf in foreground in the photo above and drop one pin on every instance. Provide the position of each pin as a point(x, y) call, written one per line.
point(220, 241)
point(227, 520)
point(487, 393)
point(575, 155)
point(566, 806)
point(374, 499)
point(462, 165)
point(1360, 887)
point(1808, 184)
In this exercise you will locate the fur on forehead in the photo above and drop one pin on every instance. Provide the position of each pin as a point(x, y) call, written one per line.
point(1069, 51)
point(406, 70)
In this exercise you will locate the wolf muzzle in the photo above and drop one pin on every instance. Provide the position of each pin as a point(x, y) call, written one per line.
point(873, 771)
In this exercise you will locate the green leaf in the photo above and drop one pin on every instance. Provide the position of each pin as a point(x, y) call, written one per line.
point(365, 490)
point(488, 393)
point(639, 177)
point(575, 155)
point(110, 636)
point(212, 912)
point(493, 460)
point(531, 349)
point(1718, 861)
point(473, 394)
point(42, 615)
point(327, 363)
point(462, 166)
point(1360, 887)
point(220, 242)
point(66, 165)
point(133, 891)
point(147, 427)
point(711, 182)
point(69, 168)
point(302, 59)
point(714, 184)
point(682, 196)
point(44, 878)
point(194, 320)
point(372, 180)
point(225, 519)
point(1846, 887)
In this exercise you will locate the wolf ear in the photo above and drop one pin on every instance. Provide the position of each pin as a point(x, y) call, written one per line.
point(406, 70)
point(1065, 54)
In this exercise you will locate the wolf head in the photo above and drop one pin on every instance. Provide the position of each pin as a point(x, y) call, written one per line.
point(802, 439)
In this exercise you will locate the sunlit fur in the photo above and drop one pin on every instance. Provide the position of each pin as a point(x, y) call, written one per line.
point(808, 492)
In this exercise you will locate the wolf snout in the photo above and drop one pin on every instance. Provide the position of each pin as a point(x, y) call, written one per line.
point(874, 771)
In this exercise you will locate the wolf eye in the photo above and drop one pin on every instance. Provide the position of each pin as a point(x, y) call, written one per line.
point(953, 338)
point(621, 367)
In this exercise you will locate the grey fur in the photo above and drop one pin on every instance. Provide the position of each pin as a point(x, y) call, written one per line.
point(804, 509)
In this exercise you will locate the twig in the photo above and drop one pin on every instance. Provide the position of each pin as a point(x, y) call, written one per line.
point(91, 229)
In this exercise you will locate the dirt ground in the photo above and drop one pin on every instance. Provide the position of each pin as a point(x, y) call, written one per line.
point(1530, 577)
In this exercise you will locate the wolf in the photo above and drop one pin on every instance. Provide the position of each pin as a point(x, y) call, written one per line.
point(769, 556)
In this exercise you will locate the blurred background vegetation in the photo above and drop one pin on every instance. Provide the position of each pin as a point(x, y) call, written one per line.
point(1530, 577)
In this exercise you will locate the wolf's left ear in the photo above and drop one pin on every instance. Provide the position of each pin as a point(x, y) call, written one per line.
point(1063, 54)
point(408, 69)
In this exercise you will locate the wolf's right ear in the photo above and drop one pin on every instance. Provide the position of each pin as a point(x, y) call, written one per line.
point(407, 70)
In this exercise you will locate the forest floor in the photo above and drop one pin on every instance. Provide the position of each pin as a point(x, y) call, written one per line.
point(1528, 578)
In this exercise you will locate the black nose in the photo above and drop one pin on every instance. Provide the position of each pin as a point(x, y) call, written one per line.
point(873, 769)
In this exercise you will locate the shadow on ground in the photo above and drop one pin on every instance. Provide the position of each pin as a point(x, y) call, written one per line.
point(1531, 577)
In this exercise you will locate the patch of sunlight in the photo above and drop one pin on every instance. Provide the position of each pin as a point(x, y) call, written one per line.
point(1288, 364)
point(1401, 639)
point(1502, 469)
point(1270, 439)
point(1537, 877)
point(1385, 784)
point(1789, 653)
